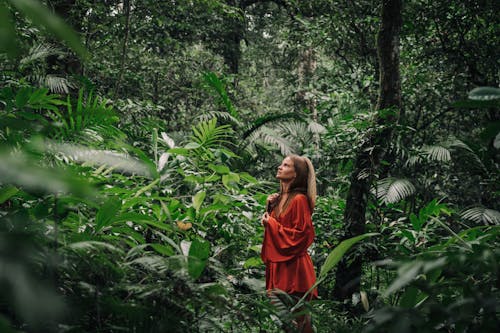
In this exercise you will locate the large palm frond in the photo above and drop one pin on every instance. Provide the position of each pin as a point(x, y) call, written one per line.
point(481, 215)
point(442, 152)
point(57, 84)
point(39, 52)
point(392, 190)
point(219, 115)
point(271, 137)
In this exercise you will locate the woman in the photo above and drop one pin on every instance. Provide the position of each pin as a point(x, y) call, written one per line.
point(289, 232)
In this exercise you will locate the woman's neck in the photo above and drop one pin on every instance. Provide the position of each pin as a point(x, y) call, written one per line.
point(285, 187)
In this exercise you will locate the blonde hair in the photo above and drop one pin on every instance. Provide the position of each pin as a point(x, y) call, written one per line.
point(305, 180)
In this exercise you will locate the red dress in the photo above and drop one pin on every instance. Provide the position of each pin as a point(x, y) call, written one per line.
point(284, 250)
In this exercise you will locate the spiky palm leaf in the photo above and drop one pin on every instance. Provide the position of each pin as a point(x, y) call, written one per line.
point(207, 134)
point(437, 153)
point(315, 127)
point(219, 115)
point(271, 137)
point(268, 119)
point(39, 52)
point(442, 152)
point(481, 215)
point(56, 84)
point(294, 131)
point(392, 190)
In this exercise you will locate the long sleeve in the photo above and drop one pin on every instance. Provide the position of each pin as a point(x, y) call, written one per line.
point(290, 234)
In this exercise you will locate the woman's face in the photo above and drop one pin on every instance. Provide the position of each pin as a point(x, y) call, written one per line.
point(286, 171)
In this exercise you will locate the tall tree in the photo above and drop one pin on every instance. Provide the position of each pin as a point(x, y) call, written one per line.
point(348, 276)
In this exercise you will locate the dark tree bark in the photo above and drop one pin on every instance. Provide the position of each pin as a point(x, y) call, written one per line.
point(126, 8)
point(348, 276)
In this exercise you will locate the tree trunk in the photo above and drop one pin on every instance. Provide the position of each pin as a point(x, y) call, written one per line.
point(348, 276)
point(306, 69)
point(126, 8)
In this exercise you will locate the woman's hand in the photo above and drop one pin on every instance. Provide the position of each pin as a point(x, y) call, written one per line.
point(272, 198)
point(265, 219)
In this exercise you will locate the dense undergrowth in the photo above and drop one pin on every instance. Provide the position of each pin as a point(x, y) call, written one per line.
point(134, 205)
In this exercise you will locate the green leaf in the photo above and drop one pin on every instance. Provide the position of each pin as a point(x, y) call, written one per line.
point(230, 180)
point(248, 178)
point(408, 235)
point(415, 222)
point(163, 249)
point(253, 262)
point(42, 17)
point(7, 192)
point(221, 169)
point(198, 200)
point(191, 145)
point(334, 257)
point(107, 212)
point(406, 274)
point(409, 298)
point(179, 151)
point(484, 93)
point(7, 32)
point(198, 255)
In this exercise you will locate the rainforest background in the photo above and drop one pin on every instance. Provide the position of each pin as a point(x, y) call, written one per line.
point(139, 140)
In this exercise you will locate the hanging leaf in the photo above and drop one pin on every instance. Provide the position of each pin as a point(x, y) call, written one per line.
point(168, 140)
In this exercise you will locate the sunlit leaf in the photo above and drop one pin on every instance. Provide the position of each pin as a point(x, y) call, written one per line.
point(7, 192)
point(198, 199)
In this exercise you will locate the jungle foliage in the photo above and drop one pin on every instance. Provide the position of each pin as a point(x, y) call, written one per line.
point(139, 141)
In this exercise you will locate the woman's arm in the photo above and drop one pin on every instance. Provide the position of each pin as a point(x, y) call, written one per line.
point(282, 243)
